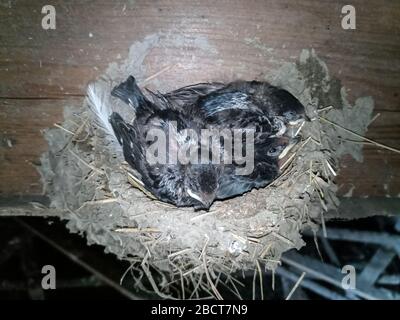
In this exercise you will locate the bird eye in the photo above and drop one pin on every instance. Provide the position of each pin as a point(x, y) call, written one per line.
point(290, 114)
point(274, 151)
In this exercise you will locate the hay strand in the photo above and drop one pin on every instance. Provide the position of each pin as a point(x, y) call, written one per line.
point(381, 145)
point(289, 296)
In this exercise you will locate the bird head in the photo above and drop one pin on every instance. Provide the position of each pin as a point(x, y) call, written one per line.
point(278, 147)
point(201, 184)
point(287, 107)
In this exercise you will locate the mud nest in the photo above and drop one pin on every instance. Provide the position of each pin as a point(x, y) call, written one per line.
point(182, 253)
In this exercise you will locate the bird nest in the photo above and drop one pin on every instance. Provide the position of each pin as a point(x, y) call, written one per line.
point(183, 253)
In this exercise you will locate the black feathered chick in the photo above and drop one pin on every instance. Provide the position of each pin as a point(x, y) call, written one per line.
point(259, 106)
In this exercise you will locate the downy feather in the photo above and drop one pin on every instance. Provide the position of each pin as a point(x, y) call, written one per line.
point(99, 103)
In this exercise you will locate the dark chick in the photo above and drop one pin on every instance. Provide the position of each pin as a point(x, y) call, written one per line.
point(182, 184)
point(269, 111)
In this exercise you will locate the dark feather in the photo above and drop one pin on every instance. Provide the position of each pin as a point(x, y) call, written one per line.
point(272, 100)
point(189, 95)
point(130, 138)
point(129, 92)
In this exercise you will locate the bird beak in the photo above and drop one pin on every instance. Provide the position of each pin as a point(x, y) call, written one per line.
point(207, 200)
point(296, 122)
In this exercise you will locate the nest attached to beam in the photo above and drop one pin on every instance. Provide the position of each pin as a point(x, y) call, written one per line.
point(181, 253)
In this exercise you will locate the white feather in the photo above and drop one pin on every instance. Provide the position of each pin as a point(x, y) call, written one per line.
point(193, 195)
point(98, 94)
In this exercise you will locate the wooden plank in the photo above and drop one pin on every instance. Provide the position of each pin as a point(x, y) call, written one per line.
point(39, 68)
point(22, 142)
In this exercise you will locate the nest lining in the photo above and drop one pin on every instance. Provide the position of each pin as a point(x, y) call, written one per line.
point(180, 253)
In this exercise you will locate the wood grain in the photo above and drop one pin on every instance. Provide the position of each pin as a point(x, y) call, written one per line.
point(42, 70)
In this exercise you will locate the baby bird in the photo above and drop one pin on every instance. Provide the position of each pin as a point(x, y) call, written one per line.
point(266, 110)
point(181, 184)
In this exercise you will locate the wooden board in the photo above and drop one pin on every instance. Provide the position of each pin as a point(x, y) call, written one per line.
point(43, 70)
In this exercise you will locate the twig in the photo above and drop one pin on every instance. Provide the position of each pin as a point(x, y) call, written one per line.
point(152, 282)
point(179, 253)
point(261, 279)
point(203, 251)
point(273, 280)
point(157, 74)
point(234, 287)
point(329, 251)
point(85, 163)
point(284, 239)
point(299, 129)
point(202, 215)
point(311, 285)
point(136, 230)
point(330, 168)
point(135, 182)
point(213, 288)
point(62, 128)
point(294, 154)
point(374, 118)
point(192, 270)
point(325, 109)
point(360, 136)
point(102, 201)
point(254, 284)
point(265, 251)
point(323, 225)
point(295, 286)
point(125, 273)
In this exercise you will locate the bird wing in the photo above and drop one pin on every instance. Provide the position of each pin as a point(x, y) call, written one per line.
point(129, 137)
point(190, 94)
point(227, 101)
point(232, 184)
point(160, 101)
point(237, 110)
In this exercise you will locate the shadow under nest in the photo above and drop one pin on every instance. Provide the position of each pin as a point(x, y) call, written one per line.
point(182, 253)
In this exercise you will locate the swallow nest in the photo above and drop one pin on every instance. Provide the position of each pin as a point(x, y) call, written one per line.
point(181, 253)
